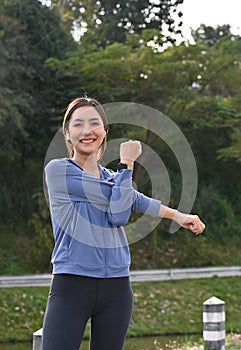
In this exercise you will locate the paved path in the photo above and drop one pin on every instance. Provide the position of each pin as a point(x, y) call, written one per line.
point(43, 280)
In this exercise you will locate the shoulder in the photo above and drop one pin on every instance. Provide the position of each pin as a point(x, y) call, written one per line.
point(56, 164)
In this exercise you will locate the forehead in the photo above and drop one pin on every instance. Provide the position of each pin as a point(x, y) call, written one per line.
point(85, 112)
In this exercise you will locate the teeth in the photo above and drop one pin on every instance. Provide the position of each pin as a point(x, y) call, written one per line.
point(87, 141)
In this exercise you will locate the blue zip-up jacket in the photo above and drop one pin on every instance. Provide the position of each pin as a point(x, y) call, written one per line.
point(88, 215)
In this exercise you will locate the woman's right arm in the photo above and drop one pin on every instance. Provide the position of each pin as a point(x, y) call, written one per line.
point(123, 194)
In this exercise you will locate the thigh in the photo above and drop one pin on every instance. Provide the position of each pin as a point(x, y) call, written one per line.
point(109, 324)
point(69, 306)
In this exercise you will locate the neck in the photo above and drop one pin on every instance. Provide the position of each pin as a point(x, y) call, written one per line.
point(88, 163)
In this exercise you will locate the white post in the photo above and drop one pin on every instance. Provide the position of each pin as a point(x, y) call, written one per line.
point(214, 324)
point(37, 339)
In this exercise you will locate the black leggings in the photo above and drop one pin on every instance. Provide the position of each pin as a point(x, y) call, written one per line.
point(74, 299)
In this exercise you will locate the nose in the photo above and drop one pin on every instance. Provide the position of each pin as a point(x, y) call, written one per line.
point(86, 129)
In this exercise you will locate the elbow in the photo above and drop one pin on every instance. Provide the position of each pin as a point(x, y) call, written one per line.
point(118, 219)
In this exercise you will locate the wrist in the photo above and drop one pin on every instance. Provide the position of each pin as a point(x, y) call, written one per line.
point(128, 162)
point(126, 166)
point(180, 218)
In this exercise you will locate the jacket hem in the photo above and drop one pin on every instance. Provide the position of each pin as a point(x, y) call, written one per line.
point(89, 271)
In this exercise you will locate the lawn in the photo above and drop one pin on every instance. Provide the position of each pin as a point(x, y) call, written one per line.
point(164, 307)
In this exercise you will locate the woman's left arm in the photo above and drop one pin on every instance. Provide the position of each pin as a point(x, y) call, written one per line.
point(154, 207)
point(188, 221)
point(131, 200)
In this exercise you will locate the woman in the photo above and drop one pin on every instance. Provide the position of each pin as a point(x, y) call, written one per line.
point(89, 205)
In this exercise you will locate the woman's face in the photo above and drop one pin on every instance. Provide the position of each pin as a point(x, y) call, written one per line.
point(86, 130)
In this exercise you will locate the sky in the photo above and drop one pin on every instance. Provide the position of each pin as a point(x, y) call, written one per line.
point(211, 12)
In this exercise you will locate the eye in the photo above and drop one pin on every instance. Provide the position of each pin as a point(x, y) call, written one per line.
point(78, 124)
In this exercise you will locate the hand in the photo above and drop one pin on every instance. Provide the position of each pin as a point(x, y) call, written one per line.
point(130, 151)
point(191, 222)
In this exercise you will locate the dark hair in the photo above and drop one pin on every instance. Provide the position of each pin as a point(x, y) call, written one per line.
point(77, 103)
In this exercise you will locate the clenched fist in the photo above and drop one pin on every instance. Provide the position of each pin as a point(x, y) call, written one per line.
point(130, 151)
point(191, 222)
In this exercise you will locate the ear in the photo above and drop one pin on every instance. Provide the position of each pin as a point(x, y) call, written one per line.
point(67, 136)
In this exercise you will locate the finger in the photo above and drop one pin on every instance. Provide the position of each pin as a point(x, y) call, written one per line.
point(199, 229)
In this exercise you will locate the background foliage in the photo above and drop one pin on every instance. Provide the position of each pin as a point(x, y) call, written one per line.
point(118, 59)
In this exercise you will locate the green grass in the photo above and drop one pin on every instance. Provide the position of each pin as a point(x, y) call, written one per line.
point(174, 307)
point(166, 307)
point(22, 311)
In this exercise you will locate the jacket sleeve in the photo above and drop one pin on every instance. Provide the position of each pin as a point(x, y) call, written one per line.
point(146, 205)
point(65, 185)
point(55, 179)
point(121, 199)
point(125, 199)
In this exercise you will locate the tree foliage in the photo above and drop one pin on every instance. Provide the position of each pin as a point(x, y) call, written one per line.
point(197, 86)
point(107, 22)
point(30, 33)
point(209, 35)
point(14, 100)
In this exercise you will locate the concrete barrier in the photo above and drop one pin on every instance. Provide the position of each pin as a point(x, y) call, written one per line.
point(37, 339)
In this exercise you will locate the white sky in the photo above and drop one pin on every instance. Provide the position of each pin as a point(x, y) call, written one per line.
point(211, 12)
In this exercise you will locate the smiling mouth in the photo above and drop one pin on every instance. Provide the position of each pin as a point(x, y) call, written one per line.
point(87, 141)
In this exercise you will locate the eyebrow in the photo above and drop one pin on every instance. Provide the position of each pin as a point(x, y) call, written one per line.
point(80, 120)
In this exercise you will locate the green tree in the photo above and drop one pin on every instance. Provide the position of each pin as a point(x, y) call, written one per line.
point(210, 35)
point(107, 22)
point(13, 101)
point(29, 96)
point(30, 33)
point(198, 86)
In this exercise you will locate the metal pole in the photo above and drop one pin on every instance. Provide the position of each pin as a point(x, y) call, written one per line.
point(214, 324)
